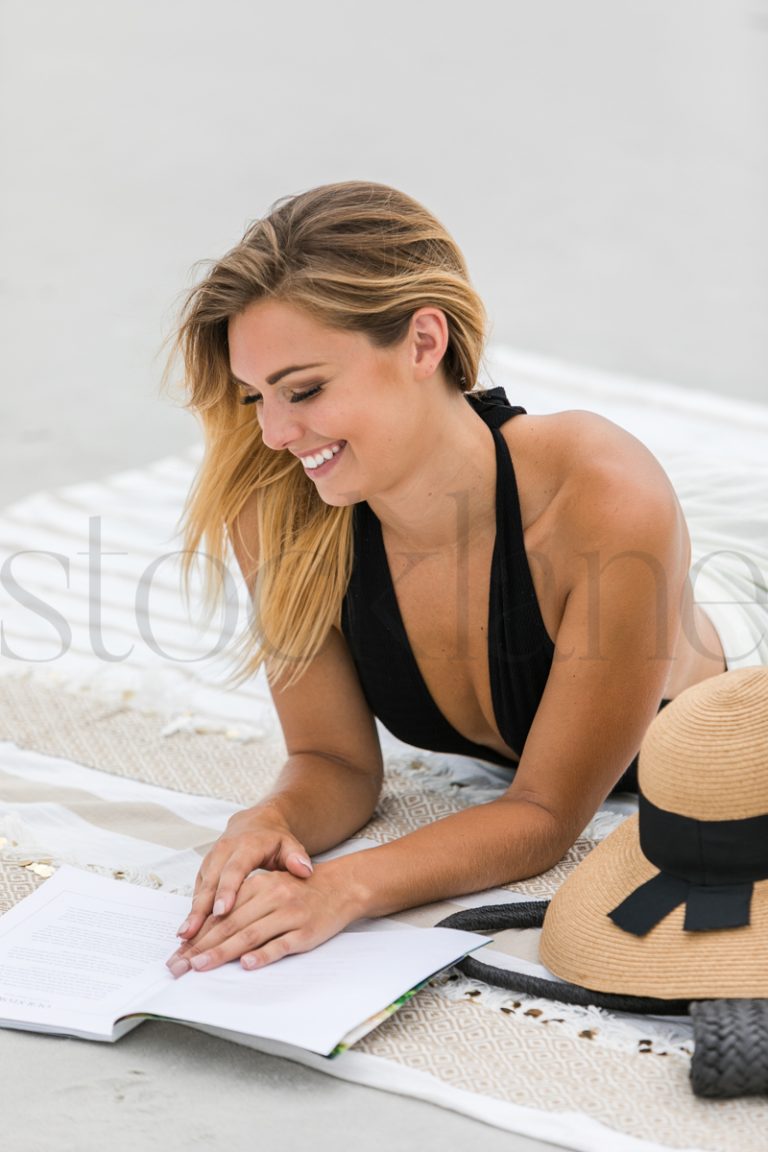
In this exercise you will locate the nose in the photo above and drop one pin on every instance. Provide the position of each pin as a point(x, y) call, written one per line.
point(279, 426)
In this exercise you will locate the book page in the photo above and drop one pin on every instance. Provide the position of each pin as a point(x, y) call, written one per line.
point(314, 999)
point(84, 951)
point(78, 953)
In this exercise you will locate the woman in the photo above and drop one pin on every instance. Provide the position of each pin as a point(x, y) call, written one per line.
point(533, 614)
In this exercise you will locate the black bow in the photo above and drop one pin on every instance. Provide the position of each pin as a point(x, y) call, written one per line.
point(709, 865)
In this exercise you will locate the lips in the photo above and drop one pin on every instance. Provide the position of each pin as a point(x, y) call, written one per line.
point(317, 459)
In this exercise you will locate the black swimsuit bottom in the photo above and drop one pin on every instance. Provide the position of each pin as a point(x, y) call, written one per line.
point(520, 650)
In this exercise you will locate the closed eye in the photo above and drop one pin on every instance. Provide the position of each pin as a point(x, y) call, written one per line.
point(297, 397)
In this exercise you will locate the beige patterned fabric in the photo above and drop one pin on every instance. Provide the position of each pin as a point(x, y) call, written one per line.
point(109, 734)
point(520, 1060)
point(116, 738)
point(16, 882)
point(462, 1033)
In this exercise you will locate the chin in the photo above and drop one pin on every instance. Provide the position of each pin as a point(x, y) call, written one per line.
point(340, 499)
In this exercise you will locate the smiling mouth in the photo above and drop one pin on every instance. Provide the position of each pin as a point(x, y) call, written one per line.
point(319, 460)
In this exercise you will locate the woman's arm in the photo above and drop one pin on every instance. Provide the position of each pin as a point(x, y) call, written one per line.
point(331, 780)
point(326, 791)
point(328, 786)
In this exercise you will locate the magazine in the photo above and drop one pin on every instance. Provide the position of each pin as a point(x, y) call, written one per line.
point(84, 956)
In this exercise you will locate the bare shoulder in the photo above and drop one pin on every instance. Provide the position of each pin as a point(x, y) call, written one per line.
point(591, 483)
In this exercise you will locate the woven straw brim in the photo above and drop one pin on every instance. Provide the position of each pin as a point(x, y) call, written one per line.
point(581, 944)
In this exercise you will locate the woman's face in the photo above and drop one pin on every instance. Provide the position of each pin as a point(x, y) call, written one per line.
point(354, 414)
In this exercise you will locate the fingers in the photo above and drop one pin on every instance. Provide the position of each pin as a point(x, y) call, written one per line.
point(223, 872)
point(222, 892)
point(299, 864)
point(287, 945)
point(202, 903)
point(257, 903)
point(275, 913)
point(276, 931)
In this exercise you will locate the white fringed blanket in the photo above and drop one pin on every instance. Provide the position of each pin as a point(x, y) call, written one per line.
point(123, 752)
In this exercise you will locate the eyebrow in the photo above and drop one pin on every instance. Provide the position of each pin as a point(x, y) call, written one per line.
point(277, 376)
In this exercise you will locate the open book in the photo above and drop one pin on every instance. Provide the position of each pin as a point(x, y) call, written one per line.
point(85, 956)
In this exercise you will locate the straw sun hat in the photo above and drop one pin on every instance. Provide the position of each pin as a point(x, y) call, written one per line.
point(674, 903)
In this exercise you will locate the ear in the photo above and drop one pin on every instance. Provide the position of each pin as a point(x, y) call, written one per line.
point(428, 341)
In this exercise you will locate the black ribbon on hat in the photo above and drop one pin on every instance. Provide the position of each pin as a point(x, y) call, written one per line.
point(709, 865)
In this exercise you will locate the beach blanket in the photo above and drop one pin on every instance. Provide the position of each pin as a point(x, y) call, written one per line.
point(124, 752)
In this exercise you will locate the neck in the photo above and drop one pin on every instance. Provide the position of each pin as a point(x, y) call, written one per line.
point(446, 497)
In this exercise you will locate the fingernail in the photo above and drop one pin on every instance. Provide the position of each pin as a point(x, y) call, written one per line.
point(184, 928)
point(305, 861)
point(249, 962)
point(200, 961)
point(219, 908)
point(179, 967)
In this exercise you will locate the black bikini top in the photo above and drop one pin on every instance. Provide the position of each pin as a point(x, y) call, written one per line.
point(519, 649)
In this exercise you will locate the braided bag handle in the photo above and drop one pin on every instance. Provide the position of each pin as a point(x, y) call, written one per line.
point(730, 1055)
point(530, 914)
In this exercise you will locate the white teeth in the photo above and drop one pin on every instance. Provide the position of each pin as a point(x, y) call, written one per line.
point(321, 457)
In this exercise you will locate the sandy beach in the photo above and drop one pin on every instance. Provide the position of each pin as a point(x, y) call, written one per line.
point(605, 168)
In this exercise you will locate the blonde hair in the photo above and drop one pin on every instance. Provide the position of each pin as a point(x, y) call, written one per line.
point(356, 256)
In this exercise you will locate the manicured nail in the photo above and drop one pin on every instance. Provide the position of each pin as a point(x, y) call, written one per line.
point(184, 928)
point(179, 967)
point(219, 908)
point(249, 962)
point(200, 961)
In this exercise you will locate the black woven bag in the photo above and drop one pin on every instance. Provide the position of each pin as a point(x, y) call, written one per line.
point(730, 1056)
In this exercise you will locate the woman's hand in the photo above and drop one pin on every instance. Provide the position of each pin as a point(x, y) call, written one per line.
point(254, 838)
point(274, 914)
